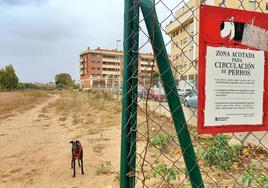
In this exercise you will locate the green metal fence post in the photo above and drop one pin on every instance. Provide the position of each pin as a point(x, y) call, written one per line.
point(135, 65)
point(154, 31)
point(129, 95)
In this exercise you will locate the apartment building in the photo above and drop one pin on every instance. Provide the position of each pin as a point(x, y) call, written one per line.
point(104, 68)
point(184, 35)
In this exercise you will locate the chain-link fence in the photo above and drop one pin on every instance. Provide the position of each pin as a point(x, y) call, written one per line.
point(155, 149)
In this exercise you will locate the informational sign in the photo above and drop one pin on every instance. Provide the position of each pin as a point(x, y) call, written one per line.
point(232, 79)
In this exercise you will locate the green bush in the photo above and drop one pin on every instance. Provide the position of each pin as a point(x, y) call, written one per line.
point(162, 170)
point(252, 174)
point(220, 153)
point(60, 86)
point(161, 140)
point(64, 79)
point(27, 86)
point(8, 78)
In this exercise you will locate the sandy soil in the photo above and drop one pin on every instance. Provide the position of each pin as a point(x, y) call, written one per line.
point(35, 150)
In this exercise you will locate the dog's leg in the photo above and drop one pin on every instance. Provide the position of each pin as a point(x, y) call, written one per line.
point(74, 167)
point(79, 162)
point(72, 163)
point(82, 166)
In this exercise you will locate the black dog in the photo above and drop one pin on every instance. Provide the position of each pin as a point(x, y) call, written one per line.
point(77, 153)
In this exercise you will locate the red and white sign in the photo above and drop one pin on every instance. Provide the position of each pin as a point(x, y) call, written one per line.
point(232, 72)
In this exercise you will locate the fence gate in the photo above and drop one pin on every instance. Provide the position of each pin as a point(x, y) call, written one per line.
point(160, 146)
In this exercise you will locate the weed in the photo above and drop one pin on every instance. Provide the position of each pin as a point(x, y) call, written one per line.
point(105, 167)
point(200, 153)
point(220, 153)
point(162, 170)
point(252, 174)
point(161, 141)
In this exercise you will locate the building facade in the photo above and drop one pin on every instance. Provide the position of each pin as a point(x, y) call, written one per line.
point(100, 68)
point(184, 36)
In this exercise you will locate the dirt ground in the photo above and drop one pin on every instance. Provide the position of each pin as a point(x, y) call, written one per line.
point(36, 128)
point(35, 149)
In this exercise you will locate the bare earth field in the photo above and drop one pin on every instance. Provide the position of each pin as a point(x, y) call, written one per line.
point(37, 126)
point(34, 139)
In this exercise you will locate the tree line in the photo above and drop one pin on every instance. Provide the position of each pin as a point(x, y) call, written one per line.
point(10, 81)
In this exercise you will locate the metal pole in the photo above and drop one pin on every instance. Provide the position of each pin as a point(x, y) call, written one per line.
point(129, 108)
point(152, 24)
point(135, 65)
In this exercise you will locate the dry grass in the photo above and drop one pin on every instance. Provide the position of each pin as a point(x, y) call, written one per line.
point(87, 110)
point(105, 167)
point(19, 101)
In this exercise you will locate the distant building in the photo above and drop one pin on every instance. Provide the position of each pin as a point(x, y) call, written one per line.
point(184, 34)
point(100, 68)
point(45, 86)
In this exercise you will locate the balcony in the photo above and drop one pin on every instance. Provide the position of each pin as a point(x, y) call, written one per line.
point(82, 60)
point(176, 24)
point(116, 60)
point(83, 72)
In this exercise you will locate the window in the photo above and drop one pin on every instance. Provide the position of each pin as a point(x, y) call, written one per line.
point(191, 27)
point(252, 5)
point(96, 68)
point(96, 55)
point(110, 56)
point(191, 54)
point(185, 40)
point(95, 62)
point(191, 77)
point(266, 7)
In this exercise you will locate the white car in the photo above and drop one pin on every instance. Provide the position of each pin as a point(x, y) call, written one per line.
point(181, 92)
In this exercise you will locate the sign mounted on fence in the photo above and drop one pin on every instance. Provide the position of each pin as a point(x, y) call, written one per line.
point(233, 77)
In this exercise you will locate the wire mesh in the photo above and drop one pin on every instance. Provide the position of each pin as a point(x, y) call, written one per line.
point(225, 160)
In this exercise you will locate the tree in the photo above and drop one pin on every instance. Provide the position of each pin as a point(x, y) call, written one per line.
point(63, 79)
point(8, 78)
point(155, 78)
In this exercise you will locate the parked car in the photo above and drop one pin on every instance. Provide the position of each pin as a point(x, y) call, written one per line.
point(191, 100)
point(187, 92)
point(157, 94)
point(184, 92)
point(181, 92)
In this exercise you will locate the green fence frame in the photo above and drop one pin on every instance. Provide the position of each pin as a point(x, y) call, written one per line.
point(129, 99)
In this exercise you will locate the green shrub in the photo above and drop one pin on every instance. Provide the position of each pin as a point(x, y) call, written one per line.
point(27, 86)
point(162, 170)
point(220, 153)
point(8, 78)
point(64, 79)
point(252, 174)
point(161, 140)
point(60, 86)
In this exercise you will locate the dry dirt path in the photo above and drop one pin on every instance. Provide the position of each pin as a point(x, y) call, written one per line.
point(35, 151)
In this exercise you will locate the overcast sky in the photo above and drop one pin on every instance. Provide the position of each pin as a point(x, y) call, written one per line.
point(41, 38)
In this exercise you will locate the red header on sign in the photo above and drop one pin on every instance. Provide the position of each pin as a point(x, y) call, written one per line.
point(232, 72)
